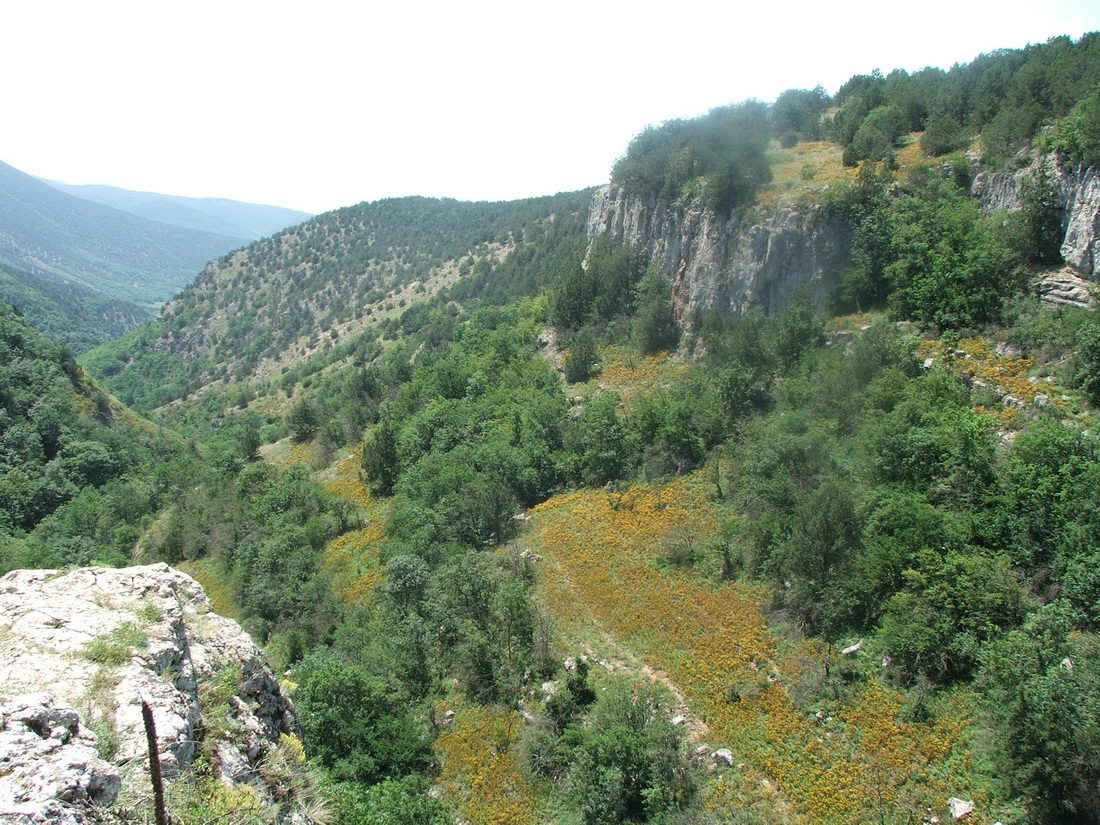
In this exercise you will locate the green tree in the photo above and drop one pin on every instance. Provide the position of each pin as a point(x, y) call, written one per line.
point(582, 357)
point(1044, 694)
point(627, 764)
point(303, 420)
point(353, 724)
point(402, 801)
point(655, 324)
point(943, 134)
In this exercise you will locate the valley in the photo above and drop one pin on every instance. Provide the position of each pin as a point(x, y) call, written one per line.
point(752, 486)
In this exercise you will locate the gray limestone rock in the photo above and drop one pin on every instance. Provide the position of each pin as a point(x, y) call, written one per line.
point(732, 263)
point(94, 642)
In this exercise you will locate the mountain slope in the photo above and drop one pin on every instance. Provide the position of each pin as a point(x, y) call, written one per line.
point(113, 252)
point(222, 216)
point(68, 312)
point(300, 292)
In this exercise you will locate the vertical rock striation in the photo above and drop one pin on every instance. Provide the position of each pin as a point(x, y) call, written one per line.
point(1077, 189)
point(752, 258)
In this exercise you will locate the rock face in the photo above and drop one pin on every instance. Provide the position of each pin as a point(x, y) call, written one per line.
point(749, 259)
point(91, 644)
point(49, 764)
point(759, 257)
point(1077, 189)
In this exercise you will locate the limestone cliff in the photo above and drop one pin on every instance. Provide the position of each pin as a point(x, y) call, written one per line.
point(752, 258)
point(79, 651)
point(758, 257)
point(1077, 190)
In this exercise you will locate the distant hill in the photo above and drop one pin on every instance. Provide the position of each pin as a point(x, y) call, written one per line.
point(236, 219)
point(113, 252)
point(287, 297)
point(66, 311)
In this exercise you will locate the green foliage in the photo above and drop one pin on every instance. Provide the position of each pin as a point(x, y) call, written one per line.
point(303, 420)
point(948, 266)
point(582, 357)
point(943, 134)
point(725, 150)
point(1044, 695)
point(799, 111)
point(599, 291)
point(402, 801)
point(878, 133)
point(597, 444)
point(1087, 375)
point(117, 646)
point(950, 606)
point(67, 312)
point(1038, 227)
point(626, 761)
point(78, 482)
point(341, 266)
point(655, 323)
point(354, 725)
point(1078, 134)
point(1006, 95)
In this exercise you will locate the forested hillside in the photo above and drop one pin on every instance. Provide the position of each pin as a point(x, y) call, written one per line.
point(1007, 97)
point(115, 253)
point(66, 311)
point(310, 288)
point(247, 221)
point(537, 541)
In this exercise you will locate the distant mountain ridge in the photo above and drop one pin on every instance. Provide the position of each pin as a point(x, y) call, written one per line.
point(43, 230)
point(237, 219)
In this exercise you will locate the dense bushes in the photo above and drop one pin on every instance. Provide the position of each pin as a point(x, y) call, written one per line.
point(720, 156)
point(927, 252)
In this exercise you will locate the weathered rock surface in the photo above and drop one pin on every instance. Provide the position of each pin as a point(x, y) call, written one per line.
point(759, 257)
point(49, 763)
point(94, 642)
point(1077, 190)
point(748, 259)
point(1066, 288)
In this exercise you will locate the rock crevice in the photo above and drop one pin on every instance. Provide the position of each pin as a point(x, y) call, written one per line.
point(78, 653)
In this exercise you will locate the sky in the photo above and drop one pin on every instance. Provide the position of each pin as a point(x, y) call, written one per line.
point(324, 104)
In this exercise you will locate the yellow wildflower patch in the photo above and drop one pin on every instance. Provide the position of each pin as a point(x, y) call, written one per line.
point(713, 642)
point(352, 562)
point(981, 361)
point(803, 172)
point(480, 767)
point(629, 374)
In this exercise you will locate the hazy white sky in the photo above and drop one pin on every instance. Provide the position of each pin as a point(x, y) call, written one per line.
point(321, 104)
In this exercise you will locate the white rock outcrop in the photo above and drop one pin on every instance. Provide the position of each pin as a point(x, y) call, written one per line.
point(731, 263)
point(1077, 190)
point(761, 256)
point(91, 644)
point(50, 768)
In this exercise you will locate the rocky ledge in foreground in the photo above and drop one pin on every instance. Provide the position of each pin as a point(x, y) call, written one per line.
point(78, 653)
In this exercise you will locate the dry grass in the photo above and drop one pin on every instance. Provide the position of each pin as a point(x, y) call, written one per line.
point(803, 172)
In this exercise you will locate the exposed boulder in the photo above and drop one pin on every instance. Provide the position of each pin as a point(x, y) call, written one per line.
point(960, 807)
point(1066, 288)
point(94, 642)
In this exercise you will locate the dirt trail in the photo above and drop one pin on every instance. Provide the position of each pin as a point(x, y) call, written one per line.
point(696, 728)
